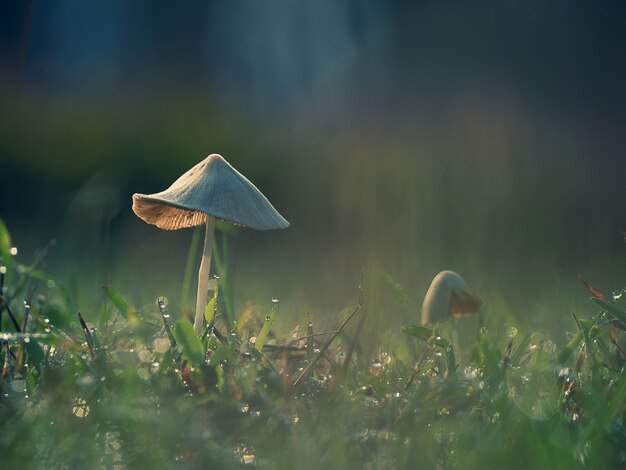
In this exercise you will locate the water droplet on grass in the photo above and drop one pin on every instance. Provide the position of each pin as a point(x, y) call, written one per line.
point(617, 294)
point(248, 459)
point(274, 300)
point(145, 356)
point(13, 251)
point(80, 408)
point(85, 379)
point(161, 345)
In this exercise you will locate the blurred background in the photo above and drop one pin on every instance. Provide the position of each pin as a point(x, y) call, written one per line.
point(398, 138)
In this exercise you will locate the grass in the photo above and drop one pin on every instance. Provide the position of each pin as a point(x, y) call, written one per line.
point(135, 388)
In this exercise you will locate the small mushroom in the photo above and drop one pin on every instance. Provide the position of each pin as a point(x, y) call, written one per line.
point(210, 190)
point(448, 296)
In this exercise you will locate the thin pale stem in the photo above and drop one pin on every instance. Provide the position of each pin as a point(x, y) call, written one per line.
point(203, 274)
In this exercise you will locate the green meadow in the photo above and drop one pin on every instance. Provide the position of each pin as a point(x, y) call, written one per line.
point(399, 140)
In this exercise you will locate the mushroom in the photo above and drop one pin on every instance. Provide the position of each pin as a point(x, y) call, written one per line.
point(210, 190)
point(448, 297)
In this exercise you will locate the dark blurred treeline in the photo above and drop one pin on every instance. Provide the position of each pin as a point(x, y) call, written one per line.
point(414, 135)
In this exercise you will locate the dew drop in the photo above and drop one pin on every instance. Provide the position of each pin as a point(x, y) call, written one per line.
point(145, 355)
point(161, 345)
point(617, 294)
point(13, 251)
point(3, 269)
point(80, 409)
point(274, 300)
point(248, 459)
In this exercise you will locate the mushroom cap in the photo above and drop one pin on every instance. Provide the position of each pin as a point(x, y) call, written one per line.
point(212, 187)
point(448, 295)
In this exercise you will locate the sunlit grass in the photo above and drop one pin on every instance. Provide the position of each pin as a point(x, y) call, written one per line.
point(136, 387)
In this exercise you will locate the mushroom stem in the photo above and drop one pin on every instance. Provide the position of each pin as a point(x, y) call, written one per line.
point(464, 336)
point(203, 274)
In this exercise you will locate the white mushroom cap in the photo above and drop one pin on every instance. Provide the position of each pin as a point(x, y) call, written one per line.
point(212, 187)
point(448, 295)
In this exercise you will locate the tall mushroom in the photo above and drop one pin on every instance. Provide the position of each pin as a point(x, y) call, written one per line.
point(210, 190)
point(449, 298)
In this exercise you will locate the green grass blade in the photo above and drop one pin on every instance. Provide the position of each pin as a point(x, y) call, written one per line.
point(521, 348)
point(569, 348)
point(396, 289)
point(450, 357)
point(417, 331)
point(189, 265)
point(5, 248)
point(127, 310)
point(425, 334)
point(189, 341)
point(165, 316)
point(220, 257)
point(262, 337)
point(611, 308)
point(209, 311)
point(244, 316)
